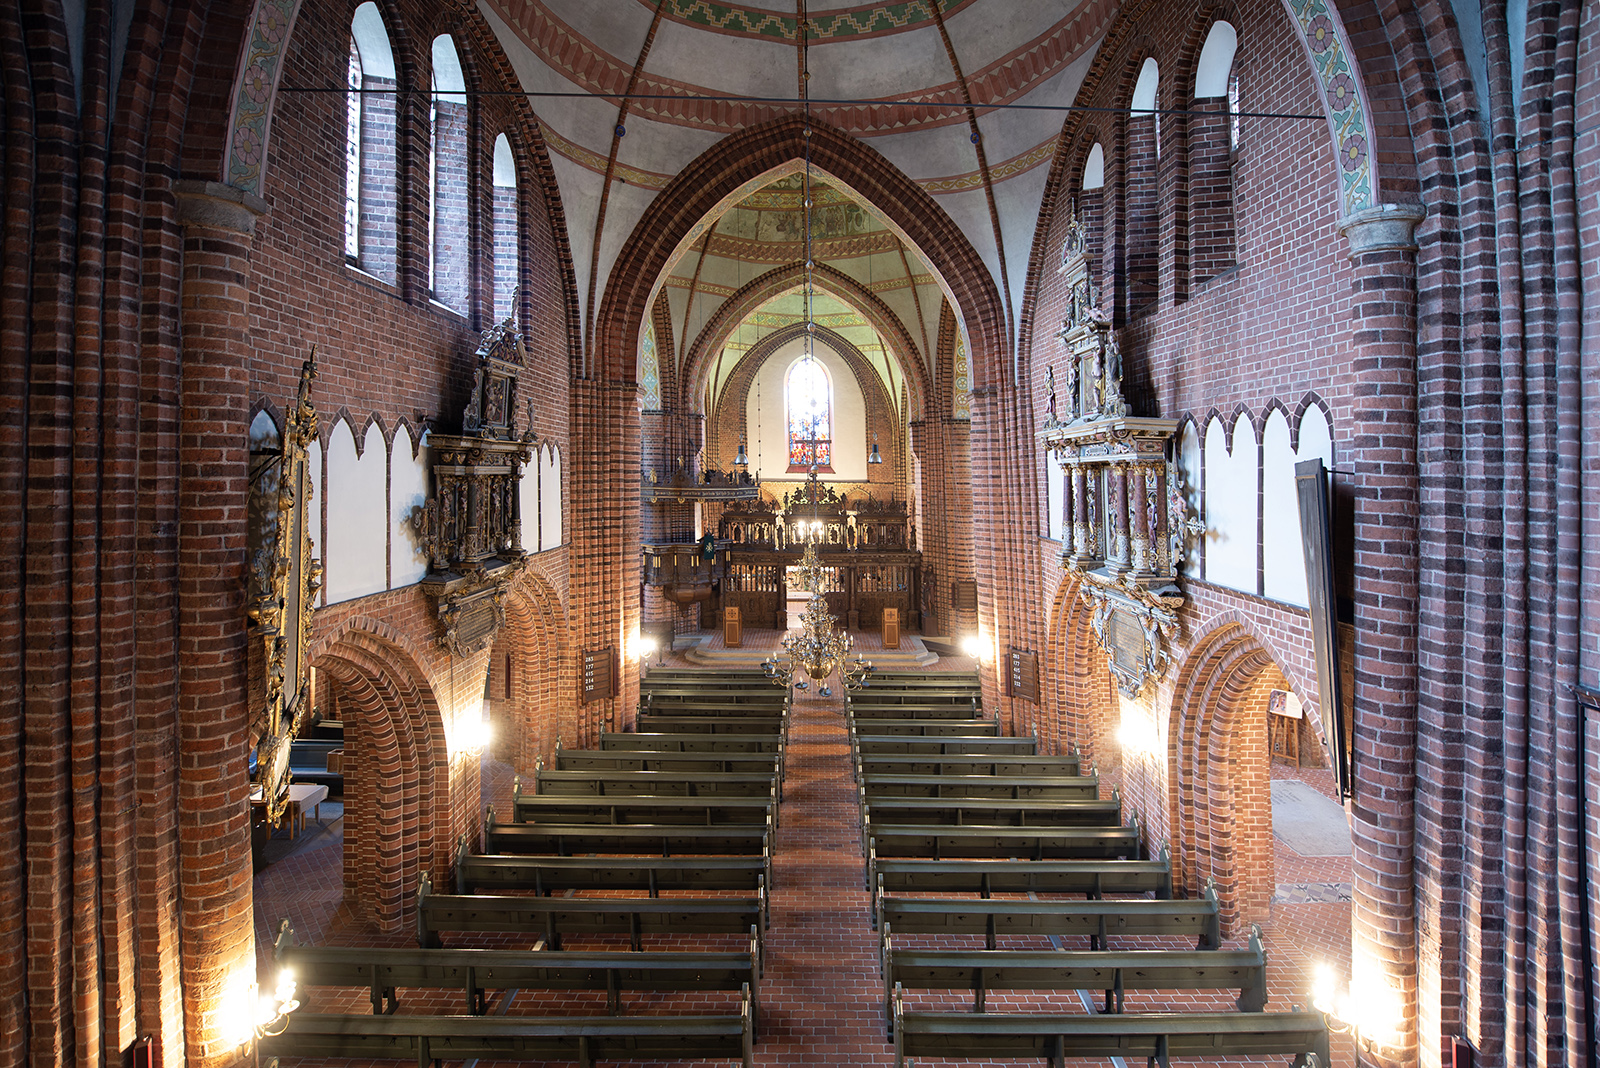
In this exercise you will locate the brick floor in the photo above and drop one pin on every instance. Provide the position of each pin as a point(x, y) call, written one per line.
point(822, 995)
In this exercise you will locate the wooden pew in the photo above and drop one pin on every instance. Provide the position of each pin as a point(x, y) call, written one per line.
point(632, 741)
point(1098, 920)
point(662, 674)
point(661, 840)
point(968, 745)
point(983, 970)
point(540, 809)
point(912, 679)
point(603, 783)
point(1015, 787)
point(999, 843)
point(583, 1040)
point(1092, 878)
point(552, 917)
point(476, 971)
point(678, 763)
point(710, 706)
point(1159, 1037)
point(926, 728)
point(965, 764)
point(490, 872)
point(970, 710)
point(659, 696)
point(991, 812)
point(674, 723)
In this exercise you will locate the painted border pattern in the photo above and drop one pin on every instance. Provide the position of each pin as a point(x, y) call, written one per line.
point(1344, 98)
point(254, 92)
point(649, 368)
point(961, 380)
point(850, 24)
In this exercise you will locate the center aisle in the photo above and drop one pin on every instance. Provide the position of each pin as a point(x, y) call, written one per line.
point(822, 996)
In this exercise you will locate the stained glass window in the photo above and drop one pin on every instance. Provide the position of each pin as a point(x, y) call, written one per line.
point(810, 415)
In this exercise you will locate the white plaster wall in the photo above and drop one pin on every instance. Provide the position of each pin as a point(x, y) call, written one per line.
point(550, 502)
point(1191, 463)
point(319, 495)
point(1230, 505)
point(528, 501)
point(1282, 562)
point(408, 489)
point(357, 515)
point(770, 422)
point(1055, 497)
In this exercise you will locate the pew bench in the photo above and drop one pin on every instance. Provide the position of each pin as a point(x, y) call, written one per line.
point(1091, 878)
point(676, 723)
point(992, 812)
point(985, 970)
point(900, 710)
point(655, 696)
point(964, 764)
point(552, 917)
point(476, 971)
point(1160, 1038)
point(968, 745)
point(1014, 787)
point(1199, 919)
point(635, 810)
point(603, 783)
point(662, 840)
point(582, 1040)
point(930, 679)
point(874, 696)
point(926, 728)
point(490, 872)
point(678, 763)
point(999, 843)
point(662, 742)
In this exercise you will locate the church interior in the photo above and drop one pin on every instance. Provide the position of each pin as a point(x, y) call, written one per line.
point(800, 532)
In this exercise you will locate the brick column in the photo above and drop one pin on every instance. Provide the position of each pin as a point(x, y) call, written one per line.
point(1383, 437)
point(216, 934)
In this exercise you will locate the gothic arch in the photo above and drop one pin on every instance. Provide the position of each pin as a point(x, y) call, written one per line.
point(1077, 677)
point(397, 767)
point(698, 362)
point(525, 702)
point(1219, 770)
point(754, 157)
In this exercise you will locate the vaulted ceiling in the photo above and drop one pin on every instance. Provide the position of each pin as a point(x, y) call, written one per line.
point(900, 74)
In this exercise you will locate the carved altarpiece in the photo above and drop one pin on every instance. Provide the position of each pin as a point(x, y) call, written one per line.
point(284, 580)
point(1125, 510)
point(471, 528)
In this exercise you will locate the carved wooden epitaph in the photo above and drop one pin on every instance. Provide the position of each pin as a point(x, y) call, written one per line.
point(1126, 512)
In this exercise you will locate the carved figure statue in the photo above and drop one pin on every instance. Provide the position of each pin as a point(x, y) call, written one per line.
point(1050, 392)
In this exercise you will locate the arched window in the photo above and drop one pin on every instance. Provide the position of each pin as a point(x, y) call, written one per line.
point(1213, 139)
point(1142, 203)
point(448, 178)
point(809, 402)
point(371, 188)
point(505, 231)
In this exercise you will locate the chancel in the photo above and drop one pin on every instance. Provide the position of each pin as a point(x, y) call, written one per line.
point(944, 532)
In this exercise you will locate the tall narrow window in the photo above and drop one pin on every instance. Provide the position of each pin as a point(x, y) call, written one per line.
point(352, 156)
point(810, 409)
point(505, 231)
point(1213, 138)
point(371, 220)
point(1234, 123)
point(448, 178)
point(1142, 204)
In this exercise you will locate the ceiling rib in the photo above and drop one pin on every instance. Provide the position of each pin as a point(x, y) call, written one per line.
point(983, 163)
point(916, 302)
point(605, 188)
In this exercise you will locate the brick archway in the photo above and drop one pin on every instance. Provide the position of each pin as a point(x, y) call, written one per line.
point(1220, 774)
point(525, 684)
point(397, 772)
point(746, 160)
point(1077, 677)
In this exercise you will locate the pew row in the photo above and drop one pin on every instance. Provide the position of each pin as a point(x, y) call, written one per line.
point(867, 745)
point(683, 723)
point(552, 917)
point(644, 809)
point(1014, 787)
point(579, 1039)
point(1002, 843)
point(925, 728)
point(964, 764)
point(475, 972)
point(1090, 878)
point(601, 782)
point(662, 840)
point(680, 763)
point(492, 872)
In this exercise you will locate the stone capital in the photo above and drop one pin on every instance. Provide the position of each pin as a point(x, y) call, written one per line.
point(215, 206)
point(1382, 228)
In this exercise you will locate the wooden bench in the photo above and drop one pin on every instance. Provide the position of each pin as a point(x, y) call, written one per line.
point(993, 812)
point(710, 706)
point(965, 764)
point(552, 917)
point(626, 811)
point(602, 783)
point(635, 742)
point(1036, 843)
point(1092, 878)
point(967, 745)
point(580, 1039)
point(549, 875)
point(1159, 1037)
point(679, 763)
point(673, 723)
point(936, 679)
point(926, 728)
point(1098, 920)
point(1015, 787)
point(983, 970)
point(476, 971)
point(661, 840)
point(655, 697)
point(969, 710)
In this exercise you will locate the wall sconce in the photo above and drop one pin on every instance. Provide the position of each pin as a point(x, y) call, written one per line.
point(1370, 1016)
point(272, 1012)
point(471, 735)
point(875, 457)
point(647, 649)
point(974, 646)
point(1138, 739)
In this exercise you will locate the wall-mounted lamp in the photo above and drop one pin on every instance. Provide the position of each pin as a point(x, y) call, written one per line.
point(974, 646)
point(272, 1010)
point(649, 647)
point(875, 457)
point(742, 458)
point(1371, 1014)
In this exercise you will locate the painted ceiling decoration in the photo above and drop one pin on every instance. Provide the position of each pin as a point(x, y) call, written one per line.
point(917, 79)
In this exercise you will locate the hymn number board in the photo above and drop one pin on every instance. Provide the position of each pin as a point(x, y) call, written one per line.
point(599, 674)
point(1022, 674)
